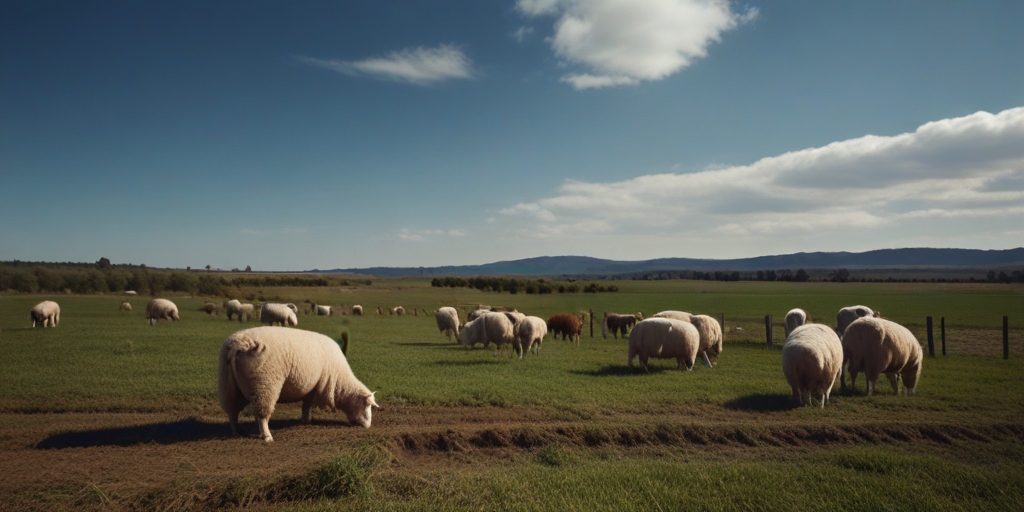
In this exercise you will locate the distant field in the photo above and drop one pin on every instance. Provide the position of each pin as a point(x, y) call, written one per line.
point(571, 428)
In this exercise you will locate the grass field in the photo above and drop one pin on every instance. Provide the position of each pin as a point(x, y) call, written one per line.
point(107, 412)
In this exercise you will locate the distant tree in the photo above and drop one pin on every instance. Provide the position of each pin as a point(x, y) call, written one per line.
point(103, 264)
point(839, 276)
point(248, 268)
point(207, 268)
point(801, 276)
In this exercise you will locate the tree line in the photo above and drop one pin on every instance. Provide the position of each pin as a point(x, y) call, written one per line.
point(513, 285)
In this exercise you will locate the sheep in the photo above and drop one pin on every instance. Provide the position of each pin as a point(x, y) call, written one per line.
point(566, 324)
point(812, 360)
point(514, 316)
point(231, 308)
point(293, 307)
point(131, 292)
point(46, 313)
point(849, 314)
point(379, 312)
point(448, 321)
point(357, 310)
point(398, 310)
point(678, 315)
point(876, 346)
point(529, 330)
point(710, 338)
point(246, 312)
point(265, 366)
point(618, 323)
point(272, 313)
point(210, 308)
point(125, 306)
point(161, 309)
point(473, 315)
point(795, 318)
point(488, 328)
point(664, 338)
point(323, 311)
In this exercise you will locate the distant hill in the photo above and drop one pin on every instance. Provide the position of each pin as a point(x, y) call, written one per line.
point(582, 265)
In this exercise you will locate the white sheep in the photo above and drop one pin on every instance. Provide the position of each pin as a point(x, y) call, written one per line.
point(46, 313)
point(795, 318)
point(448, 321)
point(125, 306)
point(812, 359)
point(265, 366)
point(246, 312)
point(293, 307)
point(514, 316)
point(710, 338)
point(357, 310)
point(131, 292)
point(664, 338)
point(272, 313)
point(323, 310)
point(678, 315)
point(398, 310)
point(877, 346)
point(161, 309)
point(473, 315)
point(848, 314)
point(529, 331)
point(488, 328)
point(231, 308)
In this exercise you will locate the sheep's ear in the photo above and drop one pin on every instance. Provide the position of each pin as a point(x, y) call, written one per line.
point(371, 401)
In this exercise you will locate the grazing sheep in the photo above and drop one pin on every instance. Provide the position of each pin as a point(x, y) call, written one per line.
point(398, 310)
point(161, 309)
point(46, 312)
point(618, 323)
point(448, 321)
point(357, 310)
point(488, 328)
point(877, 346)
point(812, 360)
point(323, 311)
point(473, 315)
point(795, 318)
point(131, 292)
point(514, 316)
point(246, 312)
point(566, 324)
point(293, 307)
point(710, 338)
point(265, 366)
point(125, 306)
point(847, 315)
point(272, 313)
point(210, 308)
point(379, 311)
point(231, 308)
point(529, 331)
point(678, 315)
point(664, 338)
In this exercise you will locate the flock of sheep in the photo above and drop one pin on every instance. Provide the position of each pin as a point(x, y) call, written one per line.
point(264, 366)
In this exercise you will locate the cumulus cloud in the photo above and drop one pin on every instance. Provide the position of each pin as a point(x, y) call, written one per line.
point(419, 66)
point(968, 169)
point(622, 42)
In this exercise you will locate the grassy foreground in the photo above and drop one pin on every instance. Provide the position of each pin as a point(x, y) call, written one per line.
point(611, 437)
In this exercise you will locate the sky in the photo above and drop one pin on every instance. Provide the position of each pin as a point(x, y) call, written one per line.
point(302, 135)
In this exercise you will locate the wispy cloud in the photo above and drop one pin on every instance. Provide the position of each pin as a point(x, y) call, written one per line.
point(622, 42)
point(420, 236)
point(522, 33)
point(419, 66)
point(961, 177)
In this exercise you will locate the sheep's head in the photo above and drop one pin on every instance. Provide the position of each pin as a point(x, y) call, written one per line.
point(714, 351)
point(360, 409)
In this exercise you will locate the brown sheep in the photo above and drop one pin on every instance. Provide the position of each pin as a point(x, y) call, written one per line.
point(566, 324)
point(616, 323)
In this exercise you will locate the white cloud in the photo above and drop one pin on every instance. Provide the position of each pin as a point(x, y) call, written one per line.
point(522, 32)
point(420, 66)
point(961, 177)
point(622, 42)
point(420, 236)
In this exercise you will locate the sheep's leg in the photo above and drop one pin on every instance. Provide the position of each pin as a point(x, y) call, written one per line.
point(823, 400)
point(265, 428)
point(707, 361)
point(895, 383)
point(307, 404)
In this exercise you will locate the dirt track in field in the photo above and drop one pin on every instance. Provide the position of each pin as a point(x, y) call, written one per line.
point(128, 454)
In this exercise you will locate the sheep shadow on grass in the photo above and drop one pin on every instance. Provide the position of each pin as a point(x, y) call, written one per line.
point(621, 370)
point(191, 429)
point(762, 402)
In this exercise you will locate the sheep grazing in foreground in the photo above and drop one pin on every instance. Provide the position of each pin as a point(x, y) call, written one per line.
point(710, 332)
point(677, 315)
point(473, 315)
point(530, 332)
point(265, 366)
point(812, 360)
point(272, 313)
point(398, 310)
point(616, 323)
point(448, 321)
point(161, 309)
point(795, 318)
point(566, 324)
point(357, 310)
point(210, 308)
point(847, 315)
point(664, 338)
point(877, 346)
point(488, 328)
point(125, 306)
point(46, 313)
point(323, 311)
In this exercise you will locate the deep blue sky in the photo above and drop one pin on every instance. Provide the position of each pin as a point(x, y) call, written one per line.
point(260, 133)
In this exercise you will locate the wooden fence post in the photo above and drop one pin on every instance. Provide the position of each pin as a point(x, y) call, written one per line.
point(591, 323)
point(942, 329)
point(723, 323)
point(1006, 337)
point(768, 328)
point(931, 340)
